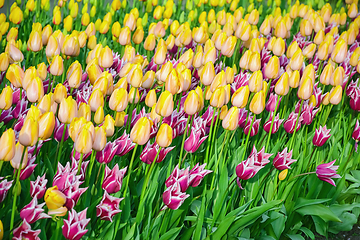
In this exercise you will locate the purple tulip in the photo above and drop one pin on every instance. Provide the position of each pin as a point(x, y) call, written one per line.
point(321, 136)
point(6, 116)
point(177, 122)
point(74, 227)
point(271, 103)
point(19, 123)
point(38, 187)
point(197, 173)
point(20, 108)
point(149, 153)
point(84, 92)
point(124, 144)
point(247, 168)
point(83, 167)
point(283, 160)
point(289, 124)
point(33, 212)
point(180, 176)
point(308, 113)
point(173, 197)
point(242, 117)
point(73, 192)
point(254, 128)
point(327, 171)
point(108, 153)
point(59, 129)
point(207, 116)
point(108, 207)
point(261, 158)
point(356, 132)
point(196, 137)
point(352, 86)
point(276, 124)
point(29, 169)
point(25, 232)
point(4, 188)
point(318, 95)
point(355, 100)
point(113, 179)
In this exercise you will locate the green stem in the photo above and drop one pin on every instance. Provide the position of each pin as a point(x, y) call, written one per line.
point(226, 141)
point(15, 193)
point(183, 140)
point(297, 121)
point(80, 162)
point(327, 114)
point(58, 229)
point(248, 136)
point(286, 104)
point(208, 143)
point(61, 145)
point(128, 123)
point(272, 123)
point(1, 164)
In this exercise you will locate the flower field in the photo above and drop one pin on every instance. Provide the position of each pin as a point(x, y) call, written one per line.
point(170, 119)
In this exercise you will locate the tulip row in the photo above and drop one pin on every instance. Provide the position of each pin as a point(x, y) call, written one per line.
point(109, 116)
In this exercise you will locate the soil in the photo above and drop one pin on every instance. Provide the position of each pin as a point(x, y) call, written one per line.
point(354, 234)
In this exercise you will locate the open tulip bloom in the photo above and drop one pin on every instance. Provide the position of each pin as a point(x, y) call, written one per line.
point(176, 119)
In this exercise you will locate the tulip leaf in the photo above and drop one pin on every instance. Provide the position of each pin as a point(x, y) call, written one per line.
point(295, 236)
point(302, 202)
point(223, 227)
point(188, 233)
point(307, 232)
point(318, 210)
point(130, 234)
point(171, 234)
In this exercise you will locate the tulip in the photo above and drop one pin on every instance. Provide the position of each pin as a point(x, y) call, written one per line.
point(54, 199)
point(327, 171)
point(138, 36)
point(83, 144)
point(323, 51)
point(140, 133)
point(99, 115)
point(305, 89)
point(108, 207)
point(109, 125)
point(84, 111)
point(99, 139)
point(24, 231)
point(339, 53)
point(60, 93)
point(337, 77)
point(272, 68)
point(173, 197)
point(38, 187)
point(218, 97)
point(289, 124)
point(125, 36)
point(33, 212)
point(165, 105)
point(56, 66)
point(52, 47)
point(283, 160)
point(282, 85)
point(6, 98)
point(148, 80)
point(335, 95)
point(292, 49)
point(29, 132)
point(16, 55)
point(255, 82)
point(257, 104)
point(356, 133)
point(164, 135)
point(46, 125)
point(228, 47)
point(118, 100)
point(192, 103)
point(96, 100)
point(67, 110)
point(75, 226)
point(230, 122)
point(106, 58)
point(279, 47)
point(134, 95)
point(7, 140)
point(15, 75)
point(4, 61)
point(309, 51)
point(35, 42)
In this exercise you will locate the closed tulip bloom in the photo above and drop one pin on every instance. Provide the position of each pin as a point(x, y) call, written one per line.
point(240, 97)
point(99, 139)
point(279, 47)
point(125, 36)
point(309, 51)
point(138, 36)
point(326, 74)
point(118, 100)
point(4, 61)
point(7, 141)
point(218, 98)
point(199, 91)
point(230, 122)
point(35, 90)
point(160, 55)
point(218, 81)
point(6, 98)
point(109, 125)
point(319, 37)
point(104, 27)
point(45, 103)
point(354, 59)
point(292, 49)
point(83, 141)
point(223, 112)
point(280, 29)
point(30, 75)
point(12, 34)
point(209, 55)
point(99, 115)
point(150, 99)
point(96, 100)
point(255, 82)
point(294, 79)
point(192, 103)
point(90, 30)
point(42, 71)
point(185, 80)
point(228, 47)
point(16, 160)
point(335, 95)
point(60, 93)
point(265, 27)
point(29, 132)
point(56, 66)
point(337, 78)
point(140, 133)
point(46, 125)
point(353, 10)
point(323, 51)
point(148, 79)
point(254, 62)
point(305, 28)
point(207, 74)
point(106, 58)
point(257, 104)
point(297, 60)
point(35, 42)
point(339, 53)
point(92, 42)
point(67, 110)
point(305, 89)
point(134, 95)
point(53, 47)
point(170, 42)
point(272, 68)
point(56, 17)
point(165, 104)
point(164, 135)
point(84, 111)
point(150, 42)
point(74, 74)
point(71, 46)
point(187, 58)
point(309, 71)
point(54, 198)
point(16, 55)
point(229, 75)
point(282, 85)
point(172, 83)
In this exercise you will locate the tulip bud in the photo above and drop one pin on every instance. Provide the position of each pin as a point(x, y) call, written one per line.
point(192, 103)
point(54, 199)
point(230, 122)
point(254, 63)
point(218, 97)
point(46, 125)
point(60, 93)
point(140, 133)
point(84, 111)
point(67, 110)
point(4, 61)
point(337, 77)
point(56, 66)
point(164, 135)
point(125, 36)
point(109, 125)
point(106, 58)
point(353, 10)
point(323, 51)
point(257, 104)
point(272, 68)
point(279, 47)
point(35, 90)
point(354, 59)
point(326, 74)
point(309, 51)
point(99, 139)
point(7, 141)
point(319, 37)
point(134, 95)
point(165, 105)
point(16, 55)
point(74, 74)
point(16, 160)
point(305, 28)
point(282, 85)
point(207, 74)
point(150, 99)
point(305, 89)
point(218, 81)
point(6, 98)
point(292, 49)
point(120, 119)
point(228, 47)
point(255, 82)
point(99, 115)
point(240, 97)
point(335, 95)
point(35, 42)
point(297, 60)
point(294, 79)
point(118, 100)
point(29, 132)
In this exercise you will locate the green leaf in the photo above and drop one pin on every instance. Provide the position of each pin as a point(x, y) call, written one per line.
point(295, 236)
point(319, 210)
point(278, 224)
point(188, 233)
point(347, 222)
point(320, 225)
point(302, 202)
point(131, 232)
point(308, 232)
point(171, 234)
point(222, 228)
